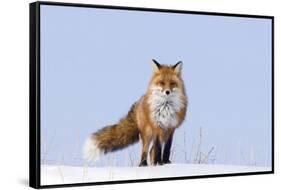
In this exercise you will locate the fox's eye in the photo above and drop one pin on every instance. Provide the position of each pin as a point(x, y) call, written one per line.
point(161, 83)
point(173, 83)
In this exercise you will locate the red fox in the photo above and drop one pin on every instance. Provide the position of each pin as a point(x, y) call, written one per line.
point(153, 118)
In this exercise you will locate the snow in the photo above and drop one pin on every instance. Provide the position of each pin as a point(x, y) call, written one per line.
point(63, 174)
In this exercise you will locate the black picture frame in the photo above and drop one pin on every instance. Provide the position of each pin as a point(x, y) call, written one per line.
point(34, 92)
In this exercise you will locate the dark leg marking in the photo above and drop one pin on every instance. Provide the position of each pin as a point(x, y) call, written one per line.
point(167, 150)
point(157, 152)
point(143, 163)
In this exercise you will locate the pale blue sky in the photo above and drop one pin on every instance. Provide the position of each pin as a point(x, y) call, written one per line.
point(95, 63)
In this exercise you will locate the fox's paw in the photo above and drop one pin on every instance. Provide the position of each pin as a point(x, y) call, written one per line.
point(143, 163)
point(167, 162)
point(158, 163)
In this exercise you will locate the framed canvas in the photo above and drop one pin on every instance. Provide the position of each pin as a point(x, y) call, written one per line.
point(126, 94)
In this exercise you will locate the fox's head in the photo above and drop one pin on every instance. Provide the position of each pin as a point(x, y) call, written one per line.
point(166, 78)
point(166, 95)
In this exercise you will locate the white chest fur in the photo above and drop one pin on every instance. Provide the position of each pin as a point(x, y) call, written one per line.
point(164, 108)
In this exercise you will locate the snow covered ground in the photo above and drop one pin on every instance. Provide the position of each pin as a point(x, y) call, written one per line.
point(62, 174)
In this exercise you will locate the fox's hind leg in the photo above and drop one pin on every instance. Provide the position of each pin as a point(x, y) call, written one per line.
point(146, 139)
point(167, 149)
point(151, 154)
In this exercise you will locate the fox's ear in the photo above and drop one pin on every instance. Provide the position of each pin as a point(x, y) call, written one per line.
point(155, 66)
point(178, 67)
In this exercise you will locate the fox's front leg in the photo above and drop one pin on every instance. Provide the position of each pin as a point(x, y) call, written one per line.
point(167, 149)
point(157, 152)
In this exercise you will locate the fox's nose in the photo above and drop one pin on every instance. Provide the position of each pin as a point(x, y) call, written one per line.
point(167, 92)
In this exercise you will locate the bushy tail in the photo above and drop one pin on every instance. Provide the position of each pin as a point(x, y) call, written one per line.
point(112, 138)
